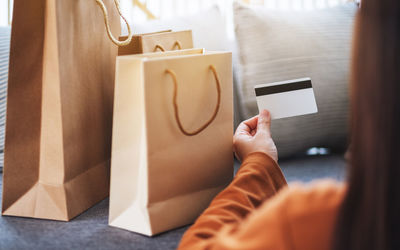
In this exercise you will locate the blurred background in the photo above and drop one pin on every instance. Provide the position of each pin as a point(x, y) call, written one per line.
point(297, 38)
point(139, 11)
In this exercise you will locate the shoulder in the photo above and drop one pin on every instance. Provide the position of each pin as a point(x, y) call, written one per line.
point(298, 217)
point(303, 205)
point(316, 197)
point(299, 199)
point(310, 212)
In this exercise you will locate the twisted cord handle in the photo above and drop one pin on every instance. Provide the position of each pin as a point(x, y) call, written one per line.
point(160, 47)
point(176, 109)
point(103, 8)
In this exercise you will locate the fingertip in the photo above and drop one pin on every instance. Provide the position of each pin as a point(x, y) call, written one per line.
point(265, 113)
point(264, 122)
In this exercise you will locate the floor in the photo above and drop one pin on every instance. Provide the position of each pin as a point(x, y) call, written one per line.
point(90, 230)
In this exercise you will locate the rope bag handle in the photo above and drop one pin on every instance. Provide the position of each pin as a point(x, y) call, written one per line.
point(103, 8)
point(176, 109)
point(160, 47)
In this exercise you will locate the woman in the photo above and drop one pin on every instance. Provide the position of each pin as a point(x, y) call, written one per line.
point(258, 211)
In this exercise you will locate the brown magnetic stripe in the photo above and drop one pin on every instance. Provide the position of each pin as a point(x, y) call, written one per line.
point(283, 88)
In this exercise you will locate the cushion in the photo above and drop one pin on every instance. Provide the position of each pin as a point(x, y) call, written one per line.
point(276, 45)
point(4, 55)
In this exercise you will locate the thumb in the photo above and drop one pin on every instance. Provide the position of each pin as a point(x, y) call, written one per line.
point(264, 122)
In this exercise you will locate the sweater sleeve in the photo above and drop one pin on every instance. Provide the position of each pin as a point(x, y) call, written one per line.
point(258, 179)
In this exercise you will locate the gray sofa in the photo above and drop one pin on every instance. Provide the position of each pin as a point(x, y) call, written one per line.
point(90, 229)
point(4, 54)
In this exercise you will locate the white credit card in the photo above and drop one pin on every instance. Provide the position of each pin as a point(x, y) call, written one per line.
point(287, 98)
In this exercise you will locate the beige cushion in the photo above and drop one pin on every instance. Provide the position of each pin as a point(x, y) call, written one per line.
point(283, 45)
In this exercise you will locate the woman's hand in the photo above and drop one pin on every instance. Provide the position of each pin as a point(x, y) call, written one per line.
point(254, 135)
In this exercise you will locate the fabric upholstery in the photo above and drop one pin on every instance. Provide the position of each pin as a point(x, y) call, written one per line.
point(279, 45)
point(90, 229)
point(4, 55)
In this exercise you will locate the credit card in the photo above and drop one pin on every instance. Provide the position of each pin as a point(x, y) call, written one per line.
point(287, 98)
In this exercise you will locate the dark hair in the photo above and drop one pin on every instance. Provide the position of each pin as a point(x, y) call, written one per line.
point(369, 217)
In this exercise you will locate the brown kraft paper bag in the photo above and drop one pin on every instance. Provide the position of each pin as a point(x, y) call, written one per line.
point(59, 111)
point(172, 138)
point(157, 42)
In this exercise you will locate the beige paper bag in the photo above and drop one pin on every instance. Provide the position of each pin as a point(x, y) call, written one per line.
point(159, 41)
point(59, 110)
point(172, 138)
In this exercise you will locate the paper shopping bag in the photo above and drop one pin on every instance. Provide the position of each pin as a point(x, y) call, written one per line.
point(159, 41)
point(59, 110)
point(172, 138)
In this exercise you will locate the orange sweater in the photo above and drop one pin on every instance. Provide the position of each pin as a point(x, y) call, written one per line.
point(246, 216)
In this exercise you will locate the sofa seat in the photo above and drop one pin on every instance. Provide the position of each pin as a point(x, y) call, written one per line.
point(90, 229)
